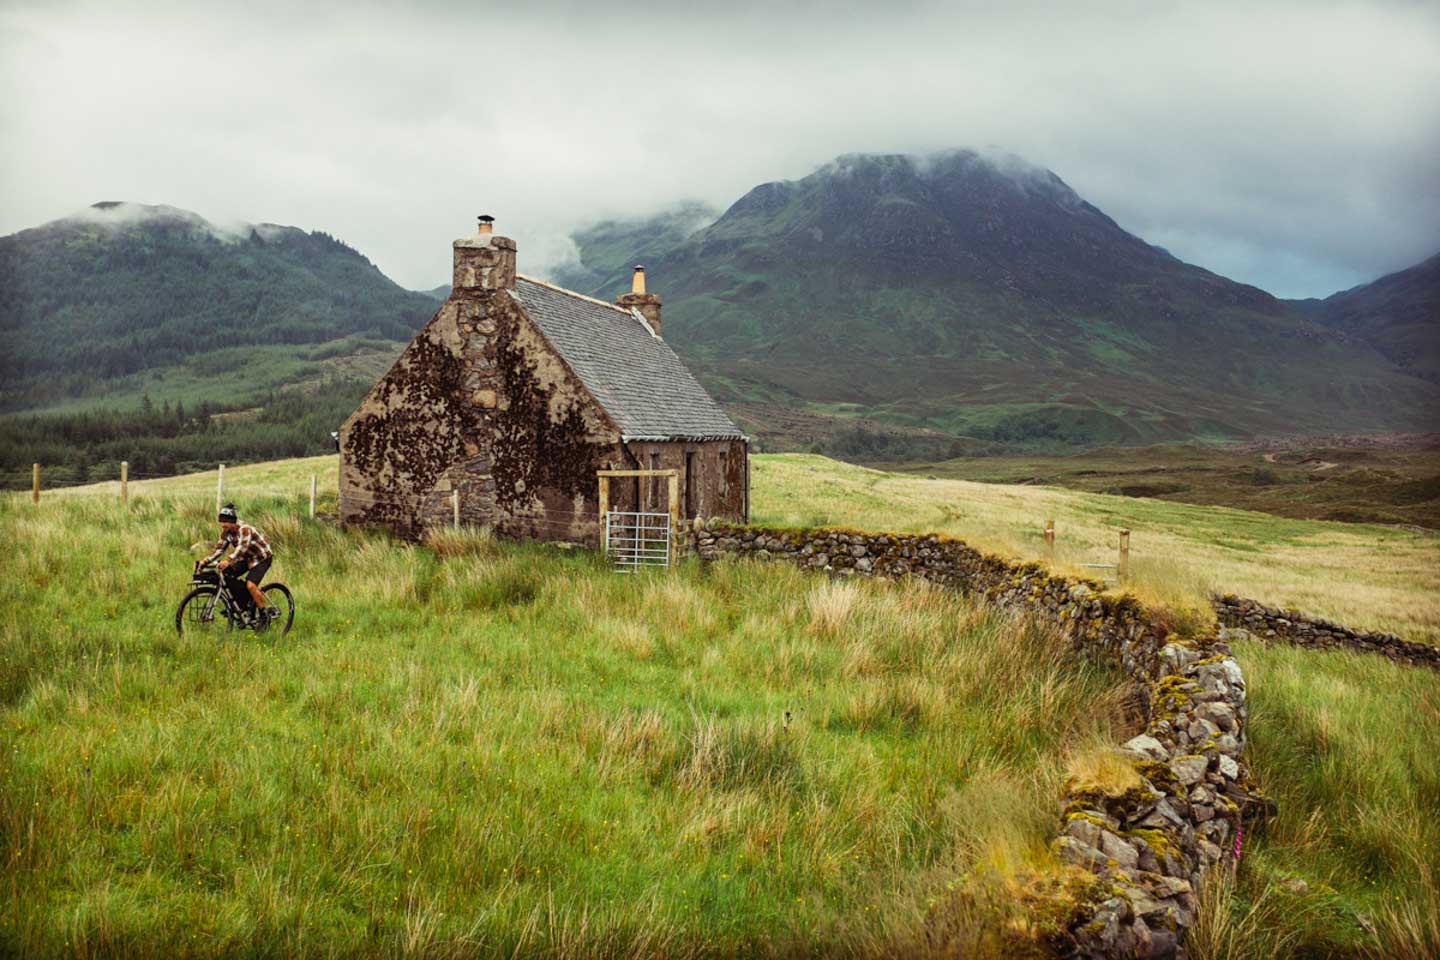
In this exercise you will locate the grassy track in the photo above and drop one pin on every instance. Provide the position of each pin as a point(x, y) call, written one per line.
point(490, 748)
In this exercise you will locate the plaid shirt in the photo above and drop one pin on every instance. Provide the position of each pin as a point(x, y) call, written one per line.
point(248, 544)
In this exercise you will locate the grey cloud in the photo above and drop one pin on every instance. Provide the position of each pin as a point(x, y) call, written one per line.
point(1289, 145)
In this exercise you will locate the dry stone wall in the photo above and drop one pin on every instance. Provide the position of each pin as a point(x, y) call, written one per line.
point(1242, 617)
point(1145, 845)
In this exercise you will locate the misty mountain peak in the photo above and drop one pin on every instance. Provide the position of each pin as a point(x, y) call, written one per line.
point(959, 206)
point(991, 170)
point(119, 214)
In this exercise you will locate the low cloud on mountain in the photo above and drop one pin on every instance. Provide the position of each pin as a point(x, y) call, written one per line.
point(1290, 145)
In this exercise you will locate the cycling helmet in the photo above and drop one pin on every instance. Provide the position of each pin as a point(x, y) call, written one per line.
point(228, 514)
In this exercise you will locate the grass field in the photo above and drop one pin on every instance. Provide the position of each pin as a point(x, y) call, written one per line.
point(445, 722)
point(1387, 479)
point(498, 749)
point(1369, 576)
point(1345, 745)
point(1365, 575)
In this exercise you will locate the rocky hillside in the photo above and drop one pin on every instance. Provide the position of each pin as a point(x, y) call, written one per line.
point(120, 289)
point(983, 297)
point(1399, 315)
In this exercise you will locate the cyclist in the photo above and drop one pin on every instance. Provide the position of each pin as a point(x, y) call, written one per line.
point(250, 557)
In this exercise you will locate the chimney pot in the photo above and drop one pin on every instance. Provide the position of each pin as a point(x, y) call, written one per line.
point(647, 304)
point(487, 224)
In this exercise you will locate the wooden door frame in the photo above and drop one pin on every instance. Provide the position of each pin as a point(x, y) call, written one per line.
point(672, 497)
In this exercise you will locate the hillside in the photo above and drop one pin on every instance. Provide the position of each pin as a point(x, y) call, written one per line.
point(983, 297)
point(121, 295)
point(610, 248)
point(885, 308)
point(1399, 315)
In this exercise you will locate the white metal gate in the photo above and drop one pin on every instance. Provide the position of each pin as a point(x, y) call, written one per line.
point(634, 540)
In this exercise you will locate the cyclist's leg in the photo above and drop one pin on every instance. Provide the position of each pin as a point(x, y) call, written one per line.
point(252, 581)
point(234, 581)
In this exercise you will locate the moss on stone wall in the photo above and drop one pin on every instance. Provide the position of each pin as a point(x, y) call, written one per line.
point(1147, 844)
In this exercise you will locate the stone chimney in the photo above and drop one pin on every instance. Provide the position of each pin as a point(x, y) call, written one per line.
point(484, 262)
point(647, 303)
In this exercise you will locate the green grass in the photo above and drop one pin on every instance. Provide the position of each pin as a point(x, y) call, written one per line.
point(656, 785)
point(1345, 745)
point(477, 748)
point(1369, 576)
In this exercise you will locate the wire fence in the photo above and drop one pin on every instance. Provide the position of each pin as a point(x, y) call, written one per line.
point(409, 510)
point(429, 511)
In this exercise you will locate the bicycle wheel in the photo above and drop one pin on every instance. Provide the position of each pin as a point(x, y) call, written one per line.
point(278, 596)
point(202, 612)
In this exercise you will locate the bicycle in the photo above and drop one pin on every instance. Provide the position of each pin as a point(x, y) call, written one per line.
point(211, 601)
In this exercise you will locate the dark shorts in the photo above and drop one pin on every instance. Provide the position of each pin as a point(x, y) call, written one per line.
point(244, 571)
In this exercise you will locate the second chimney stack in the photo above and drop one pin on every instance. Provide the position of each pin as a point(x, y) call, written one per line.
point(637, 299)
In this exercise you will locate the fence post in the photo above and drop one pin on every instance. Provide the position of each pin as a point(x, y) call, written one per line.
point(35, 484)
point(1123, 571)
point(125, 483)
point(220, 489)
point(1050, 540)
point(312, 496)
point(455, 506)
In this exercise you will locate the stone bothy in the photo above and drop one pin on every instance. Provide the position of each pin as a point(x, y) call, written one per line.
point(516, 393)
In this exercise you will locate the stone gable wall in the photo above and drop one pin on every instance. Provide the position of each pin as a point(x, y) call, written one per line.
point(478, 404)
point(1148, 846)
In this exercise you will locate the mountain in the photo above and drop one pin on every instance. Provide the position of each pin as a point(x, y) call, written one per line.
point(980, 295)
point(884, 307)
point(612, 247)
point(1399, 315)
point(120, 295)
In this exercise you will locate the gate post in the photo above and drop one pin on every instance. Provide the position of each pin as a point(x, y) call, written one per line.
point(604, 519)
point(674, 492)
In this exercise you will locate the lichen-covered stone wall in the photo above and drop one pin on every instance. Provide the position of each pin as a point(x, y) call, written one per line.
point(478, 404)
point(1146, 845)
point(1248, 617)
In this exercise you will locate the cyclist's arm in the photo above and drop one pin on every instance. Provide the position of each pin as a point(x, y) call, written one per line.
point(214, 554)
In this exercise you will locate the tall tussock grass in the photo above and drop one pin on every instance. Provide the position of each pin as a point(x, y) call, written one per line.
point(1345, 744)
point(719, 755)
point(476, 748)
point(1256, 921)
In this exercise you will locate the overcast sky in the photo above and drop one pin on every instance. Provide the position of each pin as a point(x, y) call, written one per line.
point(1289, 145)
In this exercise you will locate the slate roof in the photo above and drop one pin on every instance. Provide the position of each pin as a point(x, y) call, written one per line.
point(633, 373)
